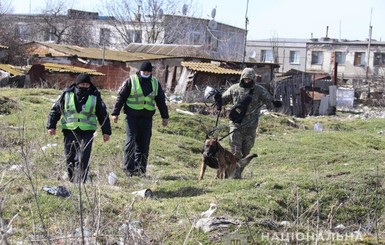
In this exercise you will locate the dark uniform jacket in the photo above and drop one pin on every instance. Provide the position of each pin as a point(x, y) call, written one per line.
point(145, 83)
point(100, 110)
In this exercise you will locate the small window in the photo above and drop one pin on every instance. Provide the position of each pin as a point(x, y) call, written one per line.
point(104, 36)
point(137, 36)
point(294, 57)
point(359, 58)
point(267, 56)
point(316, 58)
point(195, 38)
point(22, 32)
point(48, 35)
point(340, 57)
point(212, 43)
point(379, 59)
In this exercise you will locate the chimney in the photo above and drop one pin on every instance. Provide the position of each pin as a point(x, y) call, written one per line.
point(327, 31)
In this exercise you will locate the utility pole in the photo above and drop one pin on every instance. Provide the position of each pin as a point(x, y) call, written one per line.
point(368, 56)
point(246, 23)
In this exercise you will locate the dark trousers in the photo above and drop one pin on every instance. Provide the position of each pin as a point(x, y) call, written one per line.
point(136, 150)
point(77, 149)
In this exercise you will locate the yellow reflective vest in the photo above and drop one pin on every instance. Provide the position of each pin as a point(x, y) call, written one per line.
point(85, 119)
point(137, 100)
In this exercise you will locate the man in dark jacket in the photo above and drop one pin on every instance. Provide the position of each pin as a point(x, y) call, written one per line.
point(138, 95)
point(80, 106)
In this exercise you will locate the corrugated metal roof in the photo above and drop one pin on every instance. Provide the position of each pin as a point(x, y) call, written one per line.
point(175, 50)
point(278, 79)
point(43, 49)
point(70, 69)
point(315, 95)
point(13, 70)
point(209, 68)
point(51, 67)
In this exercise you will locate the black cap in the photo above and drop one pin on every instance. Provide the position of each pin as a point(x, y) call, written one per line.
point(146, 66)
point(83, 78)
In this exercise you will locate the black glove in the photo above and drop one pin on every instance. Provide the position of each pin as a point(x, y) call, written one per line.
point(218, 100)
point(277, 103)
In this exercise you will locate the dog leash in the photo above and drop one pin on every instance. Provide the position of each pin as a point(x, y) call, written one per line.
point(251, 120)
point(242, 125)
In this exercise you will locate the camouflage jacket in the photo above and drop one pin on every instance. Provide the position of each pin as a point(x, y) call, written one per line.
point(260, 96)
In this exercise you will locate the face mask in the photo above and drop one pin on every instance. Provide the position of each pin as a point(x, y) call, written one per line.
point(246, 85)
point(144, 76)
point(81, 92)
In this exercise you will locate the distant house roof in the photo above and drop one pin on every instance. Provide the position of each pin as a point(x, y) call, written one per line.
point(175, 50)
point(209, 68)
point(317, 75)
point(13, 70)
point(51, 67)
point(59, 50)
point(3, 47)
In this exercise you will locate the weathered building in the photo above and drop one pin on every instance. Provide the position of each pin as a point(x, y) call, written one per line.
point(289, 53)
point(113, 64)
point(89, 29)
point(3, 53)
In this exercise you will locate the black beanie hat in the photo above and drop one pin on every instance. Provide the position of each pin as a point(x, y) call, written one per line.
point(146, 66)
point(83, 78)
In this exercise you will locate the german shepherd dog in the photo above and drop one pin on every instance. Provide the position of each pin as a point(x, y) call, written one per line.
point(217, 157)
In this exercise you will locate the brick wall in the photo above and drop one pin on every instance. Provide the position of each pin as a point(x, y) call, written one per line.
point(114, 75)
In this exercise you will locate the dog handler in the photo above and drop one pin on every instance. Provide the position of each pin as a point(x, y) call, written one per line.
point(138, 95)
point(80, 106)
point(247, 98)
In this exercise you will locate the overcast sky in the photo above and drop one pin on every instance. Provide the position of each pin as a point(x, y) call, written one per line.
point(348, 19)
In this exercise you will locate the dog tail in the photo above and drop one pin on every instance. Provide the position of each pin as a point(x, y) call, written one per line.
point(246, 160)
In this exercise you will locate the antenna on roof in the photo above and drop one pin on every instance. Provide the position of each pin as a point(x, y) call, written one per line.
point(160, 13)
point(184, 9)
point(245, 41)
point(213, 12)
point(212, 23)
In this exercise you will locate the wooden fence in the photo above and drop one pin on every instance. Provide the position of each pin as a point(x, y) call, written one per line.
point(291, 91)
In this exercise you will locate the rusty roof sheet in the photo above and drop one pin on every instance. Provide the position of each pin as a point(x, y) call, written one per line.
point(278, 79)
point(52, 67)
point(210, 68)
point(315, 95)
point(43, 49)
point(14, 70)
point(175, 50)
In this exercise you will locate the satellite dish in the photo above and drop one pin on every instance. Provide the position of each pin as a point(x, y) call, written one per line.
point(213, 25)
point(184, 9)
point(213, 13)
point(160, 13)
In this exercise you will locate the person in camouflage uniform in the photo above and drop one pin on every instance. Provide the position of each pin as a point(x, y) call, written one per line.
point(244, 131)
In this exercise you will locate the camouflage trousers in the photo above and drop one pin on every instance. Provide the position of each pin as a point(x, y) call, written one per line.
point(241, 142)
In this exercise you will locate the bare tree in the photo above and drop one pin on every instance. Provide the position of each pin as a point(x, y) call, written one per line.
point(142, 20)
point(5, 7)
point(9, 36)
point(61, 24)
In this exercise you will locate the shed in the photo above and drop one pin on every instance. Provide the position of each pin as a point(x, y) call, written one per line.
point(112, 63)
point(196, 76)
